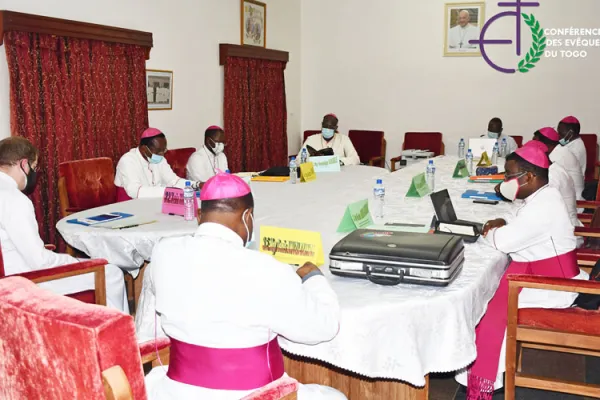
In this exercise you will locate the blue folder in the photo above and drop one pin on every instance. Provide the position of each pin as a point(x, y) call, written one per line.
point(477, 195)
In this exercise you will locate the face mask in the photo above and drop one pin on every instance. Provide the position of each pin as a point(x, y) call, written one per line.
point(564, 141)
point(155, 158)
point(218, 148)
point(510, 189)
point(493, 135)
point(327, 133)
point(248, 233)
point(30, 179)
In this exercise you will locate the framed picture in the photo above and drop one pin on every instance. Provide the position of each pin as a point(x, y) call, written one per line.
point(254, 23)
point(462, 24)
point(159, 89)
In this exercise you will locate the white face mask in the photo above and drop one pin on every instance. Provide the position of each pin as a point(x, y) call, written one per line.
point(248, 233)
point(493, 135)
point(510, 189)
point(218, 148)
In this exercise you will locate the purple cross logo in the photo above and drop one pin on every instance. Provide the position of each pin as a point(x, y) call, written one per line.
point(525, 65)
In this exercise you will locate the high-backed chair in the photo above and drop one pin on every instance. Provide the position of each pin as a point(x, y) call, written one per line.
point(310, 133)
point(54, 347)
point(370, 145)
point(85, 184)
point(518, 140)
point(178, 159)
point(431, 141)
point(591, 148)
point(570, 330)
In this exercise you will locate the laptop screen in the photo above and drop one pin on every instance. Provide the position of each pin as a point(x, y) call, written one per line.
point(479, 145)
point(442, 204)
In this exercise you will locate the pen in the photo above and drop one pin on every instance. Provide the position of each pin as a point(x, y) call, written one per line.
point(136, 225)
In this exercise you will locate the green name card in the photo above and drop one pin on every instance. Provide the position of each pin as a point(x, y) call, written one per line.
point(461, 171)
point(356, 216)
point(418, 186)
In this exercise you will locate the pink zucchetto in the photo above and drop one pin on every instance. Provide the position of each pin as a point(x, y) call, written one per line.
point(332, 115)
point(224, 186)
point(150, 132)
point(570, 120)
point(550, 133)
point(214, 128)
point(537, 144)
point(534, 155)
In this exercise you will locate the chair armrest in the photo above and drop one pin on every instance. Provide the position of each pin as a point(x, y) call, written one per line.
point(555, 284)
point(50, 247)
point(373, 160)
point(149, 353)
point(393, 162)
point(588, 204)
point(95, 266)
point(587, 232)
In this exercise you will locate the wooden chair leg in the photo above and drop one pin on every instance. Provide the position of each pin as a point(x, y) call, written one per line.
point(138, 284)
point(129, 288)
point(519, 357)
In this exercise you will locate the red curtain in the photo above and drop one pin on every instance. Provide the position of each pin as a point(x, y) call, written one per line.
point(73, 99)
point(255, 114)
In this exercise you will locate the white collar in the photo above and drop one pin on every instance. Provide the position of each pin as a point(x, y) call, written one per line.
point(534, 195)
point(9, 180)
point(141, 156)
point(219, 231)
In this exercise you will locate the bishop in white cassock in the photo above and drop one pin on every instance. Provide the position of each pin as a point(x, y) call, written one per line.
point(210, 158)
point(460, 35)
point(22, 248)
point(329, 138)
point(569, 129)
point(144, 172)
point(223, 306)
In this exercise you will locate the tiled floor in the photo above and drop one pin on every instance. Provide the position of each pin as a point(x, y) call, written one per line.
point(554, 365)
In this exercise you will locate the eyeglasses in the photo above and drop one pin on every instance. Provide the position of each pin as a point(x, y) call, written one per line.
point(518, 175)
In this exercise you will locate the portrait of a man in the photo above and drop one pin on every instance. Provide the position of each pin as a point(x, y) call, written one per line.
point(463, 24)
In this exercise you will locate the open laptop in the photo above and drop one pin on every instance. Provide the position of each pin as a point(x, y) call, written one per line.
point(444, 210)
point(479, 145)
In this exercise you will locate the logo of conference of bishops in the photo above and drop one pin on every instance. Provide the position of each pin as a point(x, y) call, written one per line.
point(538, 44)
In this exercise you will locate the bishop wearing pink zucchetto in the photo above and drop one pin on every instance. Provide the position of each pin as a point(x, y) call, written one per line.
point(569, 129)
point(210, 158)
point(330, 138)
point(144, 172)
point(539, 239)
point(224, 318)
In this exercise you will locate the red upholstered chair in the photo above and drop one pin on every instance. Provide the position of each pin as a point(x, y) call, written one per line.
point(370, 145)
point(85, 184)
point(54, 347)
point(431, 141)
point(309, 133)
point(591, 147)
point(571, 330)
point(518, 140)
point(178, 159)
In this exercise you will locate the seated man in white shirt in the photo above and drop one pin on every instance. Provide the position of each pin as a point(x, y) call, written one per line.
point(539, 238)
point(233, 302)
point(144, 172)
point(22, 248)
point(569, 129)
point(330, 138)
point(210, 158)
point(495, 132)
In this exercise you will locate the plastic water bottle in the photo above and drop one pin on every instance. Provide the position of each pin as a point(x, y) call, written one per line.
point(461, 148)
point(503, 147)
point(227, 171)
point(470, 162)
point(188, 202)
point(293, 170)
point(379, 195)
point(303, 156)
point(431, 175)
point(495, 154)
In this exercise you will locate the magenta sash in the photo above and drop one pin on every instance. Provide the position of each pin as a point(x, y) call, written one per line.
point(492, 327)
point(122, 195)
point(225, 369)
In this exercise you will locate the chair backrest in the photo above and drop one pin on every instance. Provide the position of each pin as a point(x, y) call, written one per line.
point(86, 184)
point(431, 141)
point(309, 133)
point(368, 144)
point(590, 140)
point(518, 140)
point(54, 347)
point(178, 159)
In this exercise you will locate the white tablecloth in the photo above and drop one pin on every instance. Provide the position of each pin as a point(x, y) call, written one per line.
point(402, 332)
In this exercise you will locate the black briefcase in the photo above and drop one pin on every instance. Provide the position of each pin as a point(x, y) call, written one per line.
point(390, 258)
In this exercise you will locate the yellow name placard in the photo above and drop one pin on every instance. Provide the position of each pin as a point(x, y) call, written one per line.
point(307, 172)
point(292, 246)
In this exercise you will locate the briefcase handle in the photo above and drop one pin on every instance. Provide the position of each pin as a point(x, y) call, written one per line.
point(385, 280)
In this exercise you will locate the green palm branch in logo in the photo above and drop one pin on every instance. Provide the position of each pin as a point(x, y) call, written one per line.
point(538, 45)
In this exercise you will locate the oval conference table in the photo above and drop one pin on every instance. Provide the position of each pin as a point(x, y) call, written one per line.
point(390, 338)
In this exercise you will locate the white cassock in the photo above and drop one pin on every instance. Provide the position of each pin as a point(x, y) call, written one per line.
point(531, 235)
point(458, 37)
point(203, 165)
point(559, 179)
point(213, 292)
point(140, 178)
point(565, 158)
point(23, 250)
point(341, 144)
point(577, 147)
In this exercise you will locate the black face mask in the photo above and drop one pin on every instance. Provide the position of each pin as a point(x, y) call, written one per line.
point(31, 180)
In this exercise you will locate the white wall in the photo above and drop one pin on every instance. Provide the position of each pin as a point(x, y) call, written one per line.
point(186, 35)
point(379, 65)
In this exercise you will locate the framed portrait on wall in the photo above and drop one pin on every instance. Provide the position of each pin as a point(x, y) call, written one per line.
point(159, 89)
point(254, 23)
point(463, 23)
